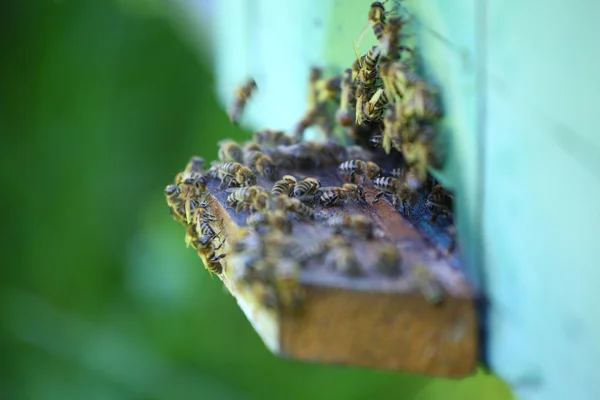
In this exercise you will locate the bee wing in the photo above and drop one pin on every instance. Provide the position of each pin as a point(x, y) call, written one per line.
point(326, 188)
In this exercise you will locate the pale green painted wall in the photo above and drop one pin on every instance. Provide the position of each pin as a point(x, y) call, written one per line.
point(520, 82)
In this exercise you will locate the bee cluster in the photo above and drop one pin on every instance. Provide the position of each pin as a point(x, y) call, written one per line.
point(297, 206)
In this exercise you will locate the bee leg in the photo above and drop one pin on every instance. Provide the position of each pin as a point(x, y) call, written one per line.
point(220, 245)
point(434, 217)
point(352, 177)
point(377, 197)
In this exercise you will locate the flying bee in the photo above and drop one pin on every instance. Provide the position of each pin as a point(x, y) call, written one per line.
point(246, 197)
point(286, 277)
point(342, 258)
point(277, 219)
point(230, 151)
point(175, 201)
point(392, 124)
point(294, 205)
point(284, 186)
point(388, 260)
point(352, 224)
point(368, 170)
point(349, 191)
point(306, 188)
point(235, 173)
point(441, 201)
point(272, 138)
point(303, 252)
point(343, 115)
point(429, 286)
point(390, 40)
point(242, 96)
point(419, 103)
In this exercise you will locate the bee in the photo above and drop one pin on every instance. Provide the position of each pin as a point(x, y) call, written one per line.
point(419, 103)
point(388, 260)
point(342, 115)
point(399, 191)
point(294, 205)
point(207, 252)
point(246, 197)
point(242, 96)
point(397, 78)
point(230, 151)
point(191, 235)
point(286, 277)
point(234, 173)
point(306, 188)
point(193, 188)
point(349, 191)
point(392, 123)
point(441, 201)
point(342, 258)
point(277, 219)
point(264, 165)
point(284, 186)
point(303, 253)
point(390, 40)
point(272, 138)
point(368, 169)
point(429, 286)
point(354, 224)
point(373, 109)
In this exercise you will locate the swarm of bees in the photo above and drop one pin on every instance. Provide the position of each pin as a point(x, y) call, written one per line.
point(378, 120)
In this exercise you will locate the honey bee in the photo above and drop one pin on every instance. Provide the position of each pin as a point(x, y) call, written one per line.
point(272, 138)
point(431, 289)
point(265, 166)
point(441, 201)
point(284, 186)
point(287, 283)
point(342, 258)
point(399, 191)
point(174, 200)
point(207, 252)
point(392, 123)
point(390, 40)
point(234, 173)
point(195, 166)
point(277, 219)
point(303, 253)
point(388, 260)
point(353, 224)
point(294, 205)
point(419, 103)
point(343, 115)
point(306, 188)
point(246, 197)
point(368, 170)
point(349, 191)
point(242, 96)
point(230, 151)
point(373, 109)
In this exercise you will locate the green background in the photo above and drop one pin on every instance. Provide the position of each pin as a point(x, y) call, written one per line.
point(100, 299)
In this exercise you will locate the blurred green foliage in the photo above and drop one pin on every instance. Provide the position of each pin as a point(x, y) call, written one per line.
point(100, 298)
